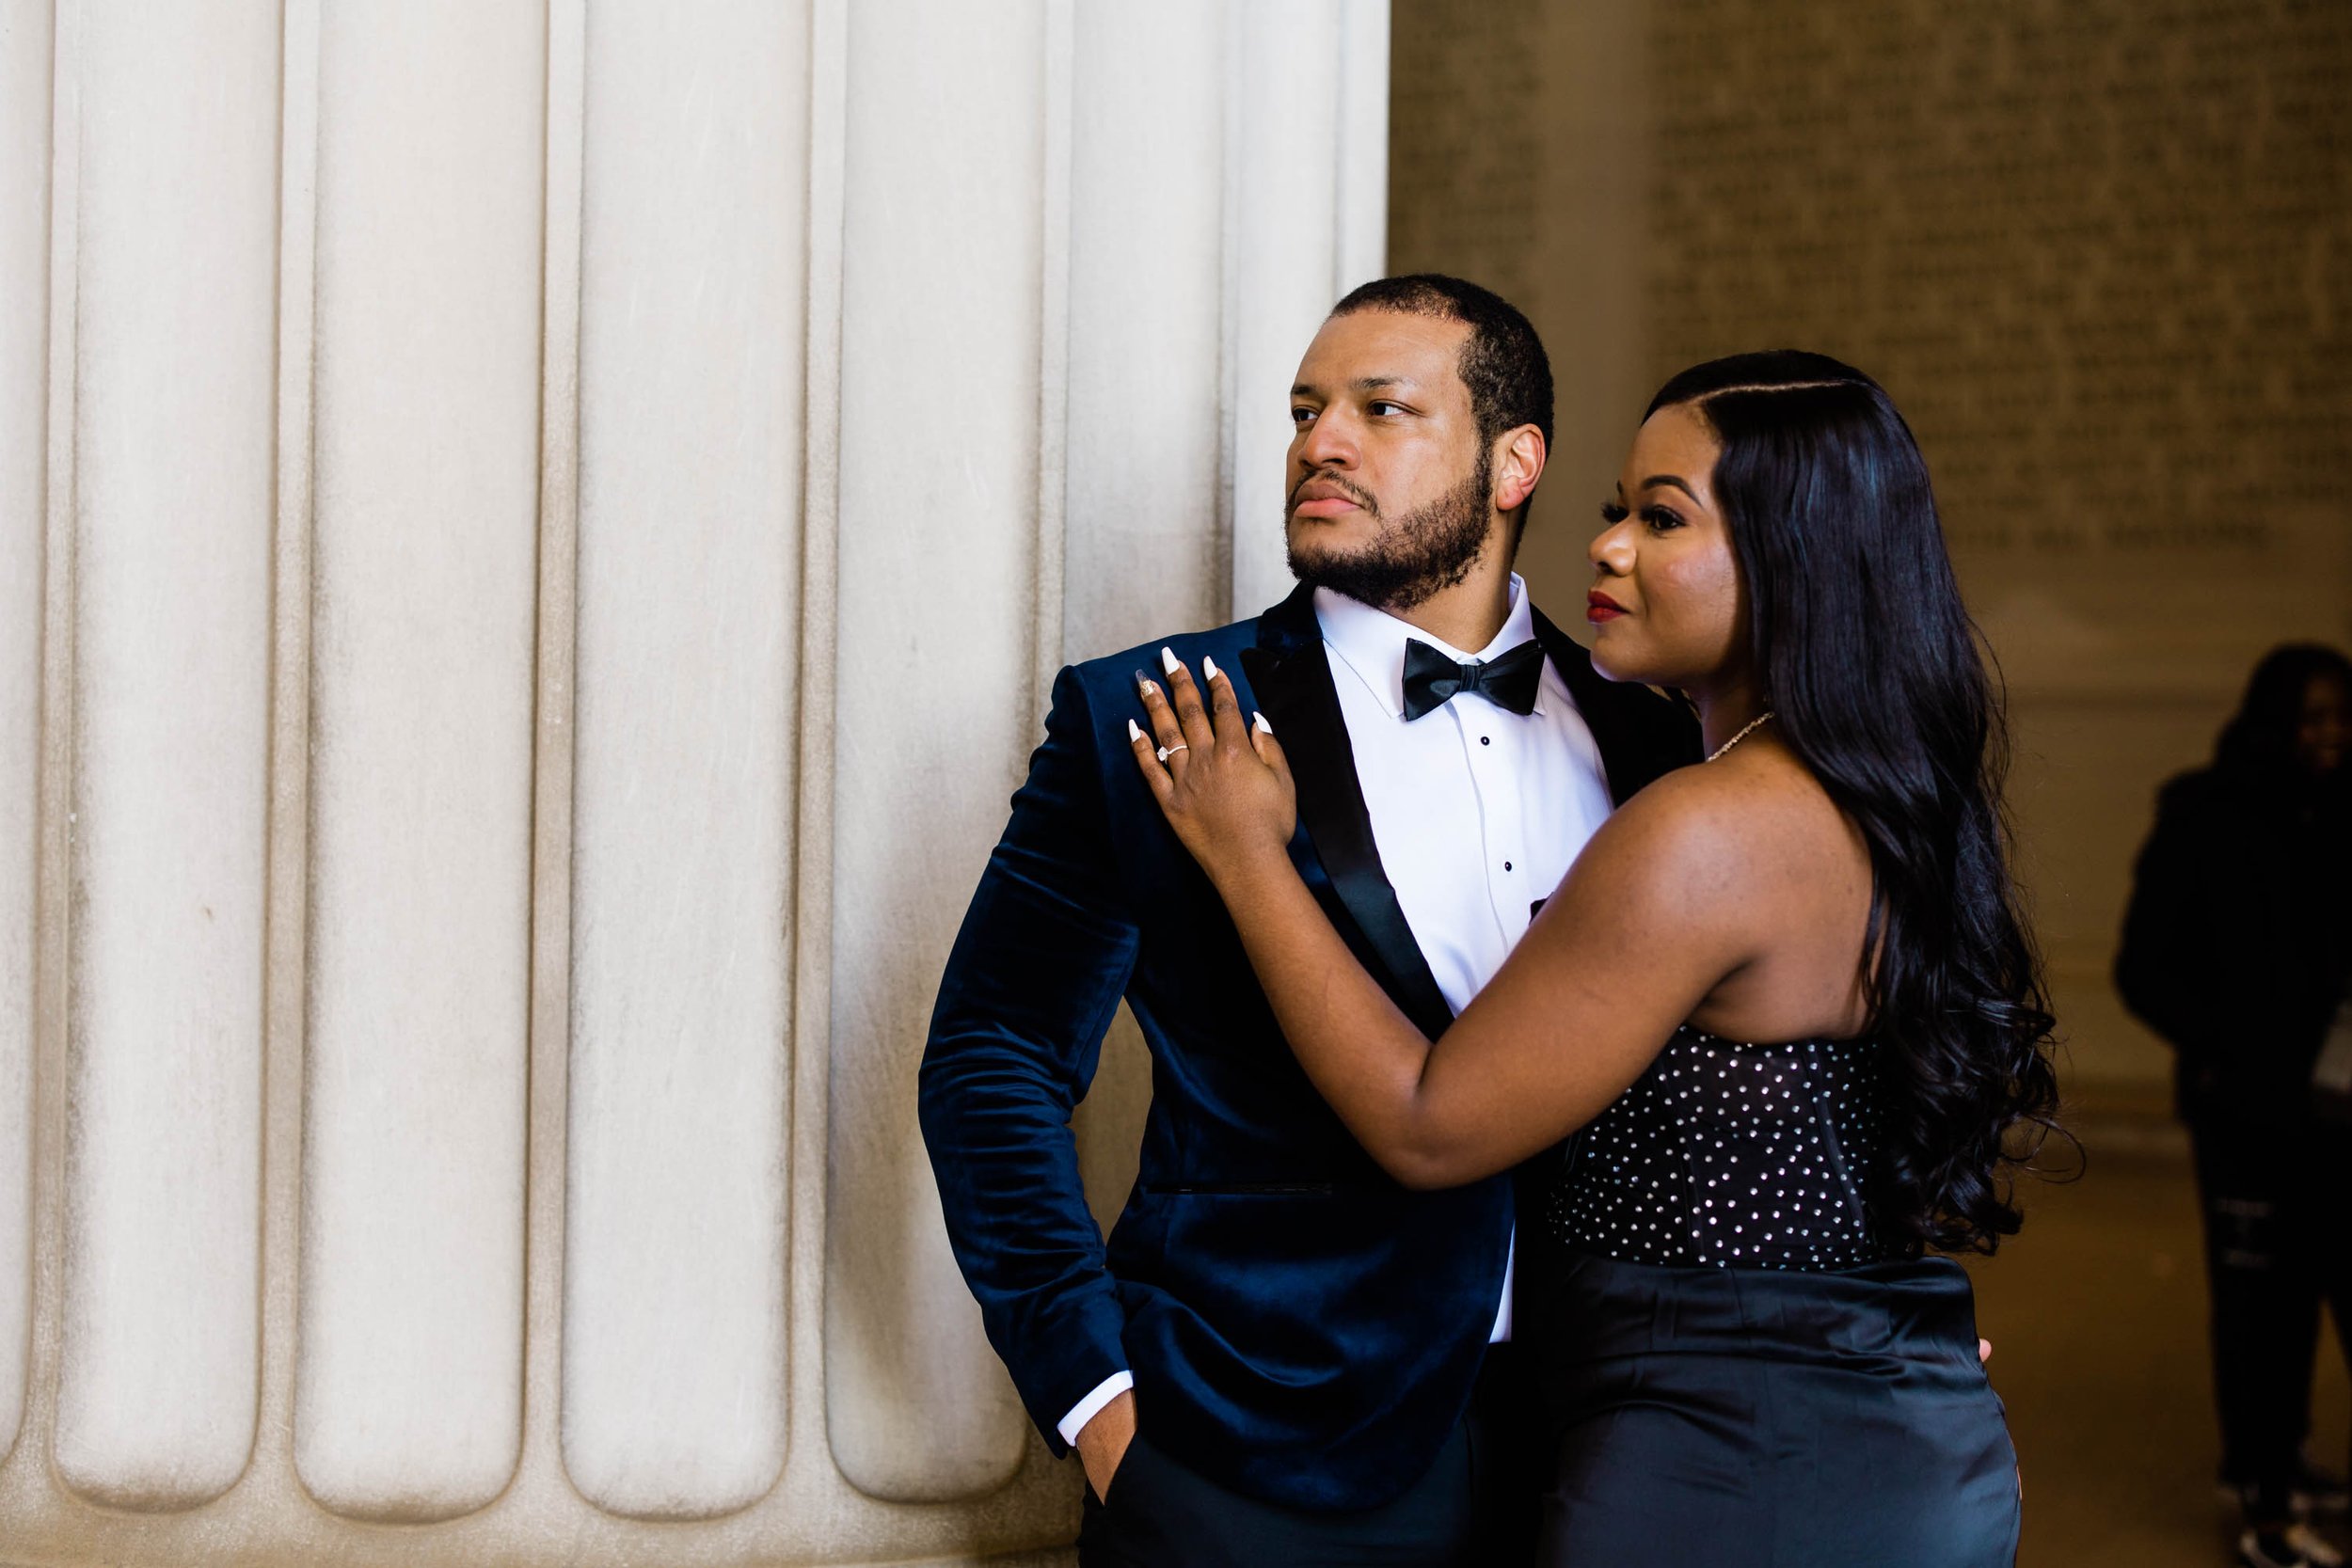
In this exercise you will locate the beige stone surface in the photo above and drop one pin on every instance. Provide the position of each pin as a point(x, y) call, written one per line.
point(612, 493)
point(171, 552)
point(427, 359)
point(692, 311)
point(944, 283)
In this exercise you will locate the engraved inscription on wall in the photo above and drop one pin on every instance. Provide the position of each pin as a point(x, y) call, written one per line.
point(2098, 249)
point(1465, 134)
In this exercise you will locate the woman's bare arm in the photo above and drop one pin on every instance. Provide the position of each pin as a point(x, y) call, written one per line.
point(1647, 923)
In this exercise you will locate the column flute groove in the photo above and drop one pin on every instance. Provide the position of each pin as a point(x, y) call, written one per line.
point(549, 1055)
point(1229, 48)
point(1053, 381)
point(53, 890)
point(287, 930)
point(809, 1468)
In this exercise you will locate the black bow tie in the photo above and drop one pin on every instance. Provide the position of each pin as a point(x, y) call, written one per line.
point(1432, 680)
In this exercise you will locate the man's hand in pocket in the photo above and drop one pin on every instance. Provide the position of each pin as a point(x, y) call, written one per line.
point(1102, 1442)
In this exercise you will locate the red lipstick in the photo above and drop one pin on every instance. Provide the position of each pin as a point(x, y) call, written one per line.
point(1599, 607)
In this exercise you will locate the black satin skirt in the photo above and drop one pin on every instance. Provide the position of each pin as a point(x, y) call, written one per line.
point(1753, 1419)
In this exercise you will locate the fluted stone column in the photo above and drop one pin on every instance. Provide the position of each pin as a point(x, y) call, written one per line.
point(532, 538)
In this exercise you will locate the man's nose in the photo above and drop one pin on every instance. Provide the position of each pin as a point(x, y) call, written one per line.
point(1329, 443)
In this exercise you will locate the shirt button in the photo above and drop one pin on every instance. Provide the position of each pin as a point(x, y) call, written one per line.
point(1506, 866)
point(1486, 741)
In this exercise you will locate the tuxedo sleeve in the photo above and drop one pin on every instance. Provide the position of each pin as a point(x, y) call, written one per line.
point(1035, 975)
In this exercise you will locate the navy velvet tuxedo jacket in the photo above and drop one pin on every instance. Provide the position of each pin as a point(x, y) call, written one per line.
point(1300, 1327)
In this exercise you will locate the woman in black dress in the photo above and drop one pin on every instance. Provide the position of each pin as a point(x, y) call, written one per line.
point(1751, 1352)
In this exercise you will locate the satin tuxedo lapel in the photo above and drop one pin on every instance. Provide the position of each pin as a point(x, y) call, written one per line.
point(1289, 673)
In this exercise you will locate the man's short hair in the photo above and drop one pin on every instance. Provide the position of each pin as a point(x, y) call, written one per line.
point(1503, 363)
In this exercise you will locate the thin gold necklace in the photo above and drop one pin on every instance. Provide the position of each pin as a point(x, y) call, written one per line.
point(1741, 735)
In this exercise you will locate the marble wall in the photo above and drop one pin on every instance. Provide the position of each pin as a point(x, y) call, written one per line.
point(2096, 250)
point(532, 539)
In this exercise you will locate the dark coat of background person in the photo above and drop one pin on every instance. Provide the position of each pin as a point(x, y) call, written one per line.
point(2237, 943)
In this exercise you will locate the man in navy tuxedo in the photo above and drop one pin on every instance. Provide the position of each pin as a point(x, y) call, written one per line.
point(1282, 1355)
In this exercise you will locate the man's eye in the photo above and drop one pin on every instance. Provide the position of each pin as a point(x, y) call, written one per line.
point(1302, 416)
point(1383, 406)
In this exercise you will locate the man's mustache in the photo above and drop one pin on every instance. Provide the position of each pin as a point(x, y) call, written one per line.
point(1361, 496)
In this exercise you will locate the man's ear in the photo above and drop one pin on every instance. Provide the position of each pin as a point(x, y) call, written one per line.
point(1519, 463)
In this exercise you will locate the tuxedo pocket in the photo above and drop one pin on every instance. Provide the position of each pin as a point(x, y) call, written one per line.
point(1126, 1471)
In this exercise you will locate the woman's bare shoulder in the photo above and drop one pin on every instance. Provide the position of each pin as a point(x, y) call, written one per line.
point(1714, 833)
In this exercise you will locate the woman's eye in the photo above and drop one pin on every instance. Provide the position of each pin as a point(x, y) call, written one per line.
point(1611, 513)
point(1660, 518)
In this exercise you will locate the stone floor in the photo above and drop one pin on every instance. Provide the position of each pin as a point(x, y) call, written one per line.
point(2097, 1315)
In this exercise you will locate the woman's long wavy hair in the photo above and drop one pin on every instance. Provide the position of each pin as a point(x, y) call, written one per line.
point(1872, 665)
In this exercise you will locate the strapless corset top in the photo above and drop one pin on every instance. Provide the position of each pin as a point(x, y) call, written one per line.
point(1730, 1155)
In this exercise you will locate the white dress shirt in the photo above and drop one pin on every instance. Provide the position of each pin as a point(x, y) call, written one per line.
point(1476, 811)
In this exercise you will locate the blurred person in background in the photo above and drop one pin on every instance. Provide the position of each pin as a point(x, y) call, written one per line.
point(2236, 949)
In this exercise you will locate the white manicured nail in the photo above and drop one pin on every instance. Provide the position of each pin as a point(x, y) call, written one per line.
point(1208, 667)
point(1168, 660)
point(1134, 731)
point(1258, 719)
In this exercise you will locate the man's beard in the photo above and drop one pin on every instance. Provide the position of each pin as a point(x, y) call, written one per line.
point(1413, 558)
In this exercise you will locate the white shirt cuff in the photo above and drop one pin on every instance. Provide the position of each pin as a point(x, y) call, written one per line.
point(1091, 1406)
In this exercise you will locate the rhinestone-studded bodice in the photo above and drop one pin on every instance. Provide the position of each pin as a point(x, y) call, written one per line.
point(1734, 1156)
